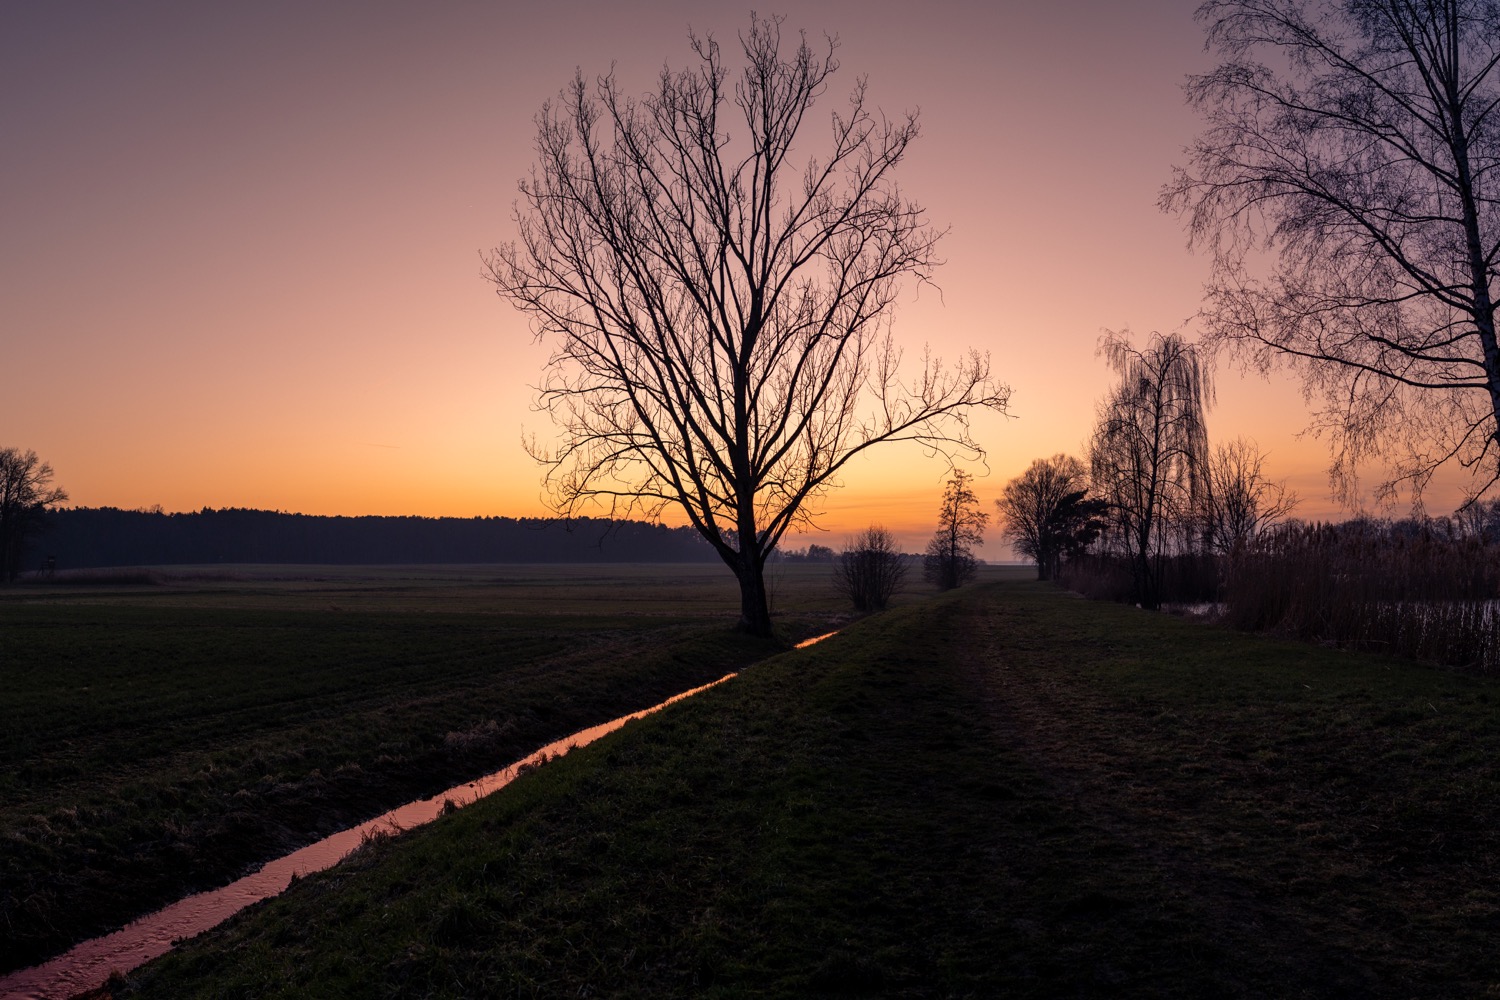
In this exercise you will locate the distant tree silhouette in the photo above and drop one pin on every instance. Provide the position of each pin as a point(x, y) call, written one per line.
point(949, 561)
point(718, 285)
point(1046, 512)
point(1480, 520)
point(96, 537)
point(1082, 520)
point(870, 570)
point(1241, 500)
point(26, 491)
point(1359, 142)
point(1149, 456)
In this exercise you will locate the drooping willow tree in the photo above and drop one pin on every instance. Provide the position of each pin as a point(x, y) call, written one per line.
point(1149, 458)
point(716, 275)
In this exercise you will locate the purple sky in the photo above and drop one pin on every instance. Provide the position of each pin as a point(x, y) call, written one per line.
point(240, 266)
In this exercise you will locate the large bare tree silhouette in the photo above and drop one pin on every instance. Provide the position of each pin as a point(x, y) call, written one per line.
point(717, 283)
point(1359, 143)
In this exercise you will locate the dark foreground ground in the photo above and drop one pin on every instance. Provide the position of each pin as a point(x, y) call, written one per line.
point(165, 737)
point(1002, 792)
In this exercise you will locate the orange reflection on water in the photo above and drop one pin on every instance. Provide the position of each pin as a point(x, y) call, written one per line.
point(815, 639)
point(90, 963)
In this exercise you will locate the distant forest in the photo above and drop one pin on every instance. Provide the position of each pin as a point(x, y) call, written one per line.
point(90, 537)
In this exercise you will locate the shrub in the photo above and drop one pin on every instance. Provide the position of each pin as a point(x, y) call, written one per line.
point(870, 571)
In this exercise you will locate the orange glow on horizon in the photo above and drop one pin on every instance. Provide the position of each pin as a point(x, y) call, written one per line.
point(241, 267)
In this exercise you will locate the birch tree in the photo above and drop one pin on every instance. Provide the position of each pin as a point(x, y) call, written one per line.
point(1348, 185)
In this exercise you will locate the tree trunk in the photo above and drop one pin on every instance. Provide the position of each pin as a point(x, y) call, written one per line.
point(755, 612)
point(1483, 309)
point(1046, 563)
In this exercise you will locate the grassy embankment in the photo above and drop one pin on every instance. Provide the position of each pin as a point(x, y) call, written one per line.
point(156, 740)
point(1002, 792)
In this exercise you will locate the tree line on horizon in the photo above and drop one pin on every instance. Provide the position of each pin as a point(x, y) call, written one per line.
point(84, 537)
point(718, 283)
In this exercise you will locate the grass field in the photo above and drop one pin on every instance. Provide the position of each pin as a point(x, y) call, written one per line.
point(1006, 791)
point(162, 737)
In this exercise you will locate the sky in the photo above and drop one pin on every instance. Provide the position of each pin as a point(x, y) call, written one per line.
point(240, 256)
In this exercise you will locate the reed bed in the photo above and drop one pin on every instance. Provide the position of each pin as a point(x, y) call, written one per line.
point(1420, 593)
point(1415, 589)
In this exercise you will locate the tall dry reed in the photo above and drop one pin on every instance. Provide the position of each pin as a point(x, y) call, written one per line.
point(1409, 589)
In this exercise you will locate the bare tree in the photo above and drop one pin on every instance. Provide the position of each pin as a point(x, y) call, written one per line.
point(870, 570)
point(1149, 455)
point(1046, 512)
point(1364, 152)
point(1480, 520)
point(719, 297)
point(1242, 501)
point(26, 491)
point(949, 561)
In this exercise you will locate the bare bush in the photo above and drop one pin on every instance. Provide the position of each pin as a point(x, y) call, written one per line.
point(1181, 578)
point(870, 570)
point(1098, 576)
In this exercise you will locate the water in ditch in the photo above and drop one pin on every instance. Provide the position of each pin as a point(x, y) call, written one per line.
point(89, 964)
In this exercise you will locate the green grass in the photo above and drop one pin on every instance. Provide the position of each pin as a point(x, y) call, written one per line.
point(1001, 792)
point(704, 590)
point(165, 738)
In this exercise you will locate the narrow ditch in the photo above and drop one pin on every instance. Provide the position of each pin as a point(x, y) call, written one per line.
point(89, 964)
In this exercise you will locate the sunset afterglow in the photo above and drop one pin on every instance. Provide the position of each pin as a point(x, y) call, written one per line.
point(241, 257)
